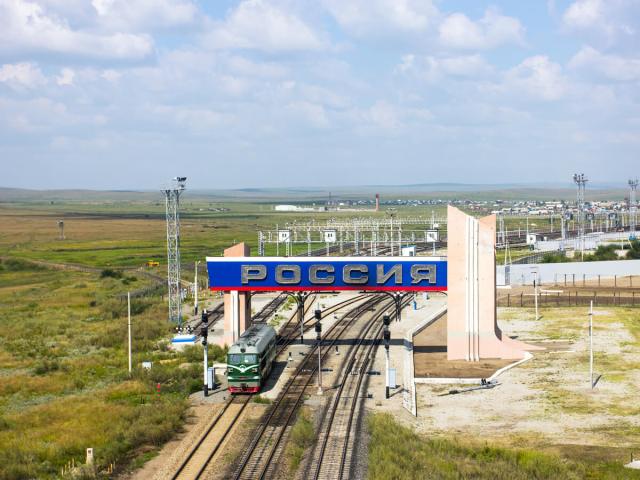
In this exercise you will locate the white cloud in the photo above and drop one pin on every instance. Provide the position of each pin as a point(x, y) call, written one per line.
point(111, 75)
point(313, 113)
point(26, 28)
point(610, 19)
point(537, 77)
point(492, 30)
point(613, 67)
point(21, 75)
point(260, 25)
point(250, 68)
point(384, 115)
point(433, 68)
point(135, 14)
point(65, 77)
point(363, 17)
point(584, 13)
point(195, 120)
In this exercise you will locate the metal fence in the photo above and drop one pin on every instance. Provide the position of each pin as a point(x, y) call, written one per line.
point(619, 298)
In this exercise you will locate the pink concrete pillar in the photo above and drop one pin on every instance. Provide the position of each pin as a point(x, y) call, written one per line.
point(237, 305)
point(472, 328)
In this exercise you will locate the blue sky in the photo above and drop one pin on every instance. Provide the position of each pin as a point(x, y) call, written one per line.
point(129, 93)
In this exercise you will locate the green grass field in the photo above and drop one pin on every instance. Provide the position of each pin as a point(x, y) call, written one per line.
point(397, 452)
point(64, 384)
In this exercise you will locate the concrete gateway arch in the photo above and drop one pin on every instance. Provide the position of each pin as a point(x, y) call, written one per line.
point(468, 275)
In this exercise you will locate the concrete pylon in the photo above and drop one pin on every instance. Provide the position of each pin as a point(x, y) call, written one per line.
point(472, 328)
point(237, 305)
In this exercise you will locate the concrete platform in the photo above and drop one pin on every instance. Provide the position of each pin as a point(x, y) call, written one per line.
point(426, 307)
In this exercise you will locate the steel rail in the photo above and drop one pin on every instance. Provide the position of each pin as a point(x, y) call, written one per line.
point(293, 403)
point(204, 436)
point(345, 379)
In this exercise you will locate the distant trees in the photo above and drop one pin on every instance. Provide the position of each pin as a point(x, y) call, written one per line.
point(555, 257)
point(634, 251)
point(603, 252)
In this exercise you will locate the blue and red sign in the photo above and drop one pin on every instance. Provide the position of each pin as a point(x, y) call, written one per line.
point(326, 273)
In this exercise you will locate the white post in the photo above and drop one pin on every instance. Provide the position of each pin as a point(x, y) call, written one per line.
point(386, 369)
point(319, 365)
point(535, 292)
point(205, 365)
point(591, 343)
point(129, 326)
point(195, 288)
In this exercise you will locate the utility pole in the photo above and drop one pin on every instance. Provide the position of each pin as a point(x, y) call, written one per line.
point(129, 326)
point(633, 187)
point(318, 328)
point(172, 201)
point(535, 291)
point(195, 290)
point(387, 337)
point(205, 332)
point(591, 344)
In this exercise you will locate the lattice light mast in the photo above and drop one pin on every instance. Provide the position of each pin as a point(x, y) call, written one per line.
point(581, 181)
point(172, 197)
point(633, 208)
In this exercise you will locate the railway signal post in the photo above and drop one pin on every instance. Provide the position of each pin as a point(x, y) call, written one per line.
point(318, 328)
point(301, 297)
point(205, 332)
point(387, 337)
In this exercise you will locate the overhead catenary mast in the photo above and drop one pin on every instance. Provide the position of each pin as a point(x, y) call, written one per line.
point(172, 197)
point(633, 208)
point(581, 181)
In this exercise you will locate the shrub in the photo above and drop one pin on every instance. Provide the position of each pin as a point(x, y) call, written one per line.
point(110, 273)
point(634, 251)
point(47, 366)
point(603, 252)
point(262, 400)
point(17, 265)
point(554, 257)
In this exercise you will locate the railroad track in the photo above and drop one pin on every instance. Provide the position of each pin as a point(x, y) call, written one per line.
point(204, 450)
point(260, 458)
point(332, 458)
point(200, 455)
point(213, 316)
point(269, 309)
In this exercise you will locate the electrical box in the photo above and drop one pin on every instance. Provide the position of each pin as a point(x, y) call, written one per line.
point(330, 236)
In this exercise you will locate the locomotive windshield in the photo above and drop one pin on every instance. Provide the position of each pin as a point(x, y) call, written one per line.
point(250, 358)
point(236, 358)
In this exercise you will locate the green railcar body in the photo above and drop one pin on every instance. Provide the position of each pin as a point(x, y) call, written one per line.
point(250, 359)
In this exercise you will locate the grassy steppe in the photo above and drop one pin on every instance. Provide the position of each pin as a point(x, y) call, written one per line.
point(64, 384)
point(397, 452)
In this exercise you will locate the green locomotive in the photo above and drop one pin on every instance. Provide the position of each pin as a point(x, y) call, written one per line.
point(249, 360)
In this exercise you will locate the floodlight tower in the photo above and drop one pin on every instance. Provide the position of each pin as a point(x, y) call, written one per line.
point(633, 186)
point(172, 197)
point(581, 181)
